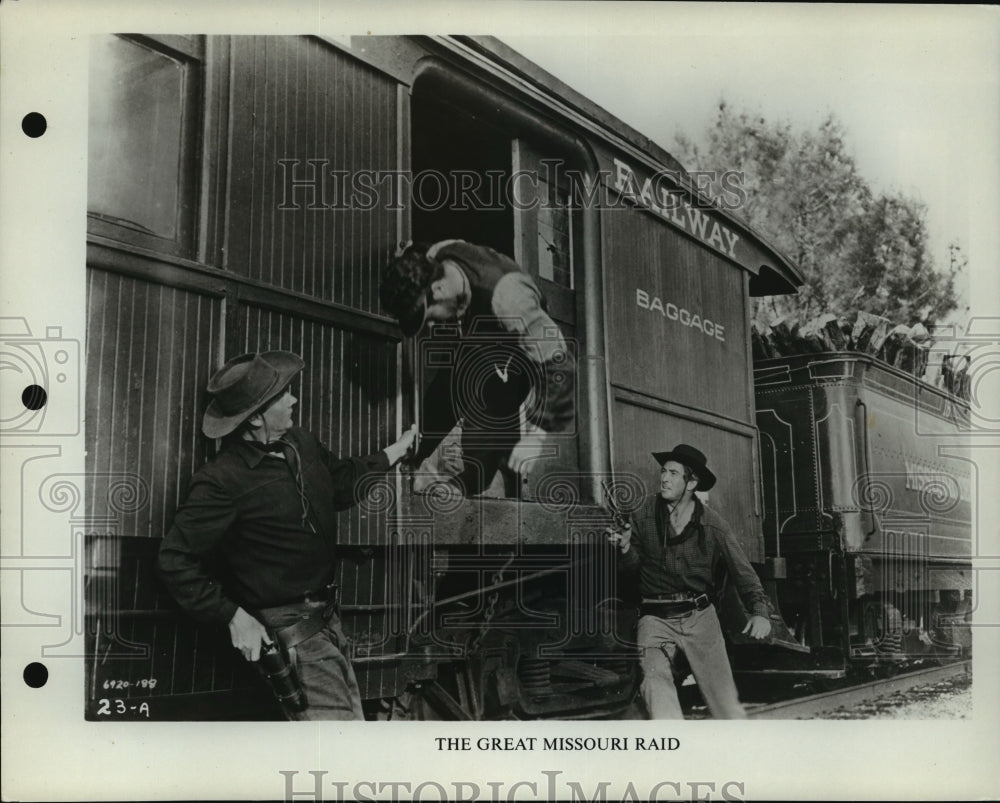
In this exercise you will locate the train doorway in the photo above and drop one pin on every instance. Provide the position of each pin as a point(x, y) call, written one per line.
point(460, 166)
point(475, 177)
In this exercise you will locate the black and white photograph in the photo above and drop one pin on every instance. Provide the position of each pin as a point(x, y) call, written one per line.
point(513, 406)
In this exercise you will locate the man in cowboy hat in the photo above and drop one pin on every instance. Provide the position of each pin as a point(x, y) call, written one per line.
point(268, 503)
point(682, 548)
point(505, 346)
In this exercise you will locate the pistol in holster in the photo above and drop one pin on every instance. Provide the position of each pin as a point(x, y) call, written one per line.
point(281, 676)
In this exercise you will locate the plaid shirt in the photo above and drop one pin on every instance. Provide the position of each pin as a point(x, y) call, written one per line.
point(696, 564)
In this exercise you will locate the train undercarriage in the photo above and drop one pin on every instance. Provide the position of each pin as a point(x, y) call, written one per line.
point(864, 614)
point(515, 647)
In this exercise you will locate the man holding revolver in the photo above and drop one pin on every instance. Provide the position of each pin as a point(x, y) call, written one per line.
point(682, 550)
point(268, 504)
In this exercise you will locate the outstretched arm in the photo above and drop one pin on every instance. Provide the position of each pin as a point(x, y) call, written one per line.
point(347, 472)
point(748, 585)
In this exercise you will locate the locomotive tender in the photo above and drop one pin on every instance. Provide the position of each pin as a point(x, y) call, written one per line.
point(244, 194)
point(867, 484)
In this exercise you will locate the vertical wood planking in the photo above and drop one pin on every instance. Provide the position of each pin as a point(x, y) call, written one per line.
point(155, 348)
point(215, 162)
point(639, 431)
point(152, 347)
point(679, 364)
point(305, 101)
point(144, 407)
point(347, 393)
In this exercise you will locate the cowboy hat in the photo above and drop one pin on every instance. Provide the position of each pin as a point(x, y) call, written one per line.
point(241, 386)
point(693, 459)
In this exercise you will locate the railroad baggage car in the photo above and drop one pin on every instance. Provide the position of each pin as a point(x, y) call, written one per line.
point(244, 194)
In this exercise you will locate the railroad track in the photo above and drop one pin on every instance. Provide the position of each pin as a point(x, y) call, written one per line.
point(816, 704)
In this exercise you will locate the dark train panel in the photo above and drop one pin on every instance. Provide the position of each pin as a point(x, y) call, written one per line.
point(867, 480)
point(848, 436)
point(679, 311)
point(144, 408)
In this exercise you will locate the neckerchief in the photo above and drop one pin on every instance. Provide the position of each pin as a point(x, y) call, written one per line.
point(663, 523)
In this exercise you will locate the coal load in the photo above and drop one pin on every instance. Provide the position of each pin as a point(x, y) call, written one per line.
point(904, 347)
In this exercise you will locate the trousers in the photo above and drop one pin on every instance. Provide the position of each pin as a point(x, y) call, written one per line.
point(669, 647)
point(326, 676)
point(486, 393)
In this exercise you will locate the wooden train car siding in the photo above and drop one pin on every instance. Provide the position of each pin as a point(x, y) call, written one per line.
point(144, 407)
point(641, 427)
point(302, 110)
point(669, 359)
point(685, 380)
point(144, 441)
point(159, 325)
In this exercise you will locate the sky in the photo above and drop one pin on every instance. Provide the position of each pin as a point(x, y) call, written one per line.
point(916, 87)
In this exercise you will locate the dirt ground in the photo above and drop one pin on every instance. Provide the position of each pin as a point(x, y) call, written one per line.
point(946, 699)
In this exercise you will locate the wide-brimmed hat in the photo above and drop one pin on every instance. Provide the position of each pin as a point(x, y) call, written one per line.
point(242, 385)
point(693, 459)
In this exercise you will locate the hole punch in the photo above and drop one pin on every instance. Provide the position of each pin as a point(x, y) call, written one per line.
point(34, 124)
point(36, 675)
point(34, 397)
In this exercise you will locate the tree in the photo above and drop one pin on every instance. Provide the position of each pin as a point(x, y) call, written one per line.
point(892, 268)
point(856, 249)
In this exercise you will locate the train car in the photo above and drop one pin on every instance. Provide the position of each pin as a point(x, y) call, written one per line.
point(867, 480)
point(244, 195)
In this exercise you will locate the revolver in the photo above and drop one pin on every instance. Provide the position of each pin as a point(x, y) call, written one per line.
point(619, 518)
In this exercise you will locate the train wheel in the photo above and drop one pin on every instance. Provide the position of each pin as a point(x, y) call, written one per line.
point(950, 624)
point(419, 703)
point(882, 626)
point(455, 695)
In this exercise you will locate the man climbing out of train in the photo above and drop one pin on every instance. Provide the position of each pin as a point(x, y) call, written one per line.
point(267, 505)
point(501, 350)
point(682, 549)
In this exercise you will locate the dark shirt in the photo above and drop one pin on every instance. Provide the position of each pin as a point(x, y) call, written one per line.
point(697, 562)
point(247, 505)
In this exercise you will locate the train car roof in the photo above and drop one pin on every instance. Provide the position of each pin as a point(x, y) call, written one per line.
point(777, 276)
